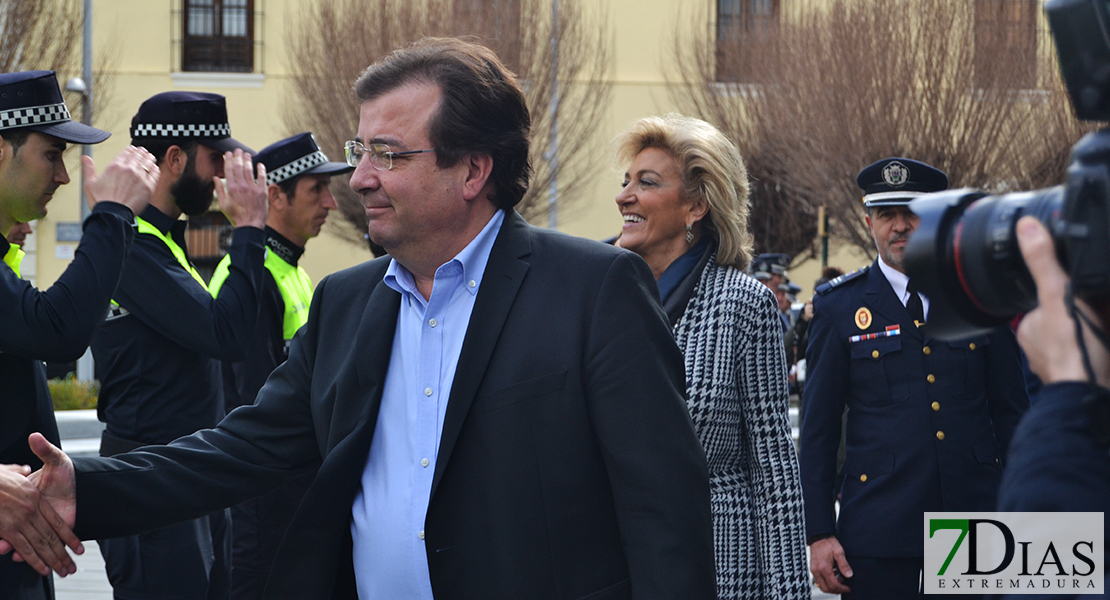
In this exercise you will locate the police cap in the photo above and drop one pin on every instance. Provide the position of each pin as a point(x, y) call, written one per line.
point(295, 156)
point(897, 181)
point(766, 265)
point(32, 100)
point(186, 116)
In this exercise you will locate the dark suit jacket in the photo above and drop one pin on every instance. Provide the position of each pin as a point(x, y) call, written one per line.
point(568, 467)
point(928, 423)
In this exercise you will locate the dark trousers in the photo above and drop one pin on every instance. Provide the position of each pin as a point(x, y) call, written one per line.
point(887, 579)
point(180, 562)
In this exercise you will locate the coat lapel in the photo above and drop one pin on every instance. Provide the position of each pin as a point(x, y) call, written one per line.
point(503, 275)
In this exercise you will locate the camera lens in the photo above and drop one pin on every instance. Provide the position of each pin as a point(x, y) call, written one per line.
point(965, 257)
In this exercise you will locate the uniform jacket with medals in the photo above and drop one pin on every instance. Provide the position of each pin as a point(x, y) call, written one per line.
point(928, 420)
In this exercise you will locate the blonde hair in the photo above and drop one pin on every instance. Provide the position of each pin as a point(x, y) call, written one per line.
point(712, 171)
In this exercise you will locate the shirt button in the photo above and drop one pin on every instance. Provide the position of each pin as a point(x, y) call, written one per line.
point(874, 354)
point(931, 378)
point(428, 391)
point(940, 435)
point(927, 350)
point(936, 406)
point(472, 283)
point(420, 534)
point(971, 345)
point(424, 462)
point(863, 478)
point(432, 322)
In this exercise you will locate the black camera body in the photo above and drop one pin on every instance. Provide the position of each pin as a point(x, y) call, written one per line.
point(964, 254)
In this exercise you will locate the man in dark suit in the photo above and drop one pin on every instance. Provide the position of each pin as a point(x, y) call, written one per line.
point(496, 411)
point(928, 421)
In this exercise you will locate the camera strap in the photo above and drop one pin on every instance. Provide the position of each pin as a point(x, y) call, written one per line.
point(1097, 400)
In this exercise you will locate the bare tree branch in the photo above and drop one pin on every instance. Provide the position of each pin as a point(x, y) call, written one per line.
point(335, 40)
point(840, 84)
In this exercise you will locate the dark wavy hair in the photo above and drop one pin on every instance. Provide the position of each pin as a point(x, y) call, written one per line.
point(482, 109)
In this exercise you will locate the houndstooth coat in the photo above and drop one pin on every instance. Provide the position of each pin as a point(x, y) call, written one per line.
point(731, 337)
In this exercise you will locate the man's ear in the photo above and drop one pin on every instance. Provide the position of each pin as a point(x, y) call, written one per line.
point(479, 168)
point(276, 197)
point(176, 160)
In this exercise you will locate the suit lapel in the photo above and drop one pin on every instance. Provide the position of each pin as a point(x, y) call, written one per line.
point(879, 296)
point(503, 275)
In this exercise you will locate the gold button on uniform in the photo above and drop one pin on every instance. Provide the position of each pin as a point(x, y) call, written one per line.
point(936, 406)
point(971, 345)
point(863, 477)
point(927, 350)
point(930, 378)
point(940, 435)
point(874, 354)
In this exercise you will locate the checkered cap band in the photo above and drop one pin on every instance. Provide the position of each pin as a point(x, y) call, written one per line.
point(160, 130)
point(296, 167)
point(35, 115)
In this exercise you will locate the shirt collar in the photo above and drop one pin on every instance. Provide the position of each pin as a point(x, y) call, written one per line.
point(472, 259)
point(280, 245)
point(897, 279)
point(157, 218)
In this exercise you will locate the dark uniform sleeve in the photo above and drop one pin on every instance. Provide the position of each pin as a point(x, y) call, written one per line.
point(826, 392)
point(58, 323)
point(1007, 395)
point(162, 294)
point(265, 349)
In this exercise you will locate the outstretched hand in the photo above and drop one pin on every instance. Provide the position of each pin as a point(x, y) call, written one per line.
point(242, 195)
point(129, 179)
point(37, 512)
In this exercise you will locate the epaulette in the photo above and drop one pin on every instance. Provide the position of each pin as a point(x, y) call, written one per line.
point(845, 278)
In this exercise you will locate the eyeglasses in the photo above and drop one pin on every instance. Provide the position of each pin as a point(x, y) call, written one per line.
point(381, 157)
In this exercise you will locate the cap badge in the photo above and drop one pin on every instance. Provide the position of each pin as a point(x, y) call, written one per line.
point(863, 318)
point(896, 174)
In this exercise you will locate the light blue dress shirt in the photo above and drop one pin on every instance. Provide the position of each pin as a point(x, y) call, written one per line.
point(387, 517)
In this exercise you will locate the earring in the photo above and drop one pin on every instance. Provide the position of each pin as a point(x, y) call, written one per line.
point(689, 234)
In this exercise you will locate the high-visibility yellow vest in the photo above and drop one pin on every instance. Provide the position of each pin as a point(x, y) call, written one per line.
point(14, 258)
point(144, 226)
point(292, 282)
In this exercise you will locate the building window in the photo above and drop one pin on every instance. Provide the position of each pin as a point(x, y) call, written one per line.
point(743, 28)
point(496, 23)
point(218, 36)
point(1006, 43)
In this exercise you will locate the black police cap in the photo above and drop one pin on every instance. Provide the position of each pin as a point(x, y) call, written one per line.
point(186, 116)
point(295, 156)
point(32, 100)
point(896, 181)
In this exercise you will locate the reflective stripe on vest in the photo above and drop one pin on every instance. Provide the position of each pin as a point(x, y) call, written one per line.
point(292, 282)
point(14, 258)
point(144, 226)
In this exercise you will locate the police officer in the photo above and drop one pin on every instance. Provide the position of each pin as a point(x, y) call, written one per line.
point(928, 421)
point(297, 177)
point(157, 354)
point(55, 324)
point(770, 270)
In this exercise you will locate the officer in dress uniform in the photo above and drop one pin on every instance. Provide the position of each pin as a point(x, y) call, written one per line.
point(158, 351)
point(55, 324)
point(928, 421)
point(297, 178)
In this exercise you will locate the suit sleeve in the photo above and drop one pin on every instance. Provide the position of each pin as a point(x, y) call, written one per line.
point(163, 295)
point(1007, 395)
point(58, 323)
point(773, 465)
point(635, 384)
point(252, 451)
point(826, 392)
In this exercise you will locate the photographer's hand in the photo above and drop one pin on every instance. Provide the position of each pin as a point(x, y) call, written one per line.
point(1047, 334)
